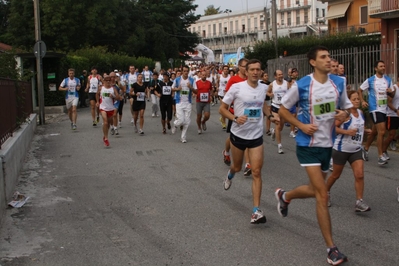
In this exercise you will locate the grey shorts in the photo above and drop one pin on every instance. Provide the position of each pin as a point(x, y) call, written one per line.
point(340, 157)
point(206, 107)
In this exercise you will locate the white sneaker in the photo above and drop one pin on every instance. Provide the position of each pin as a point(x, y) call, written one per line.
point(184, 141)
point(119, 124)
point(136, 129)
point(227, 183)
point(280, 149)
point(173, 129)
point(292, 134)
point(385, 155)
point(273, 135)
point(392, 145)
point(153, 115)
point(199, 131)
point(132, 121)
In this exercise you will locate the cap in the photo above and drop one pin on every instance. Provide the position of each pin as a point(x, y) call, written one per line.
point(117, 74)
point(116, 70)
point(294, 69)
point(166, 74)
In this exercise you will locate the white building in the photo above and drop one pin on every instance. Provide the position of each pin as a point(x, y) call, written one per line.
point(224, 33)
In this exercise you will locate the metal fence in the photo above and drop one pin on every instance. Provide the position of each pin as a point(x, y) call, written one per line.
point(15, 106)
point(358, 62)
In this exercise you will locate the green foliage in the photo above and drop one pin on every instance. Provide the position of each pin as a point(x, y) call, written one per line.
point(291, 46)
point(211, 10)
point(150, 28)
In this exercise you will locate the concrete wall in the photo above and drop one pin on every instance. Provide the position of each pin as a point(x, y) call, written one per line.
point(12, 156)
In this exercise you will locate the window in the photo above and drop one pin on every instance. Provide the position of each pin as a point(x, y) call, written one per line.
point(243, 27)
point(364, 15)
point(249, 24)
point(220, 28)
point(231, 26)
point(306, 16)
point(203, 34)
point(317, 12)
point(282, 19)
point(199, 28)
point(237, 28)
point(289, 18)
point(255, 23)
point(323, 11)
point(214, 29)
point(298, 17)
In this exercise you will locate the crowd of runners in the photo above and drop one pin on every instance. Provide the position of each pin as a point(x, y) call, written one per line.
point(323, 113)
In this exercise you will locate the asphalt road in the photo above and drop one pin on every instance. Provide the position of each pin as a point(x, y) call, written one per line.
point(152, 200)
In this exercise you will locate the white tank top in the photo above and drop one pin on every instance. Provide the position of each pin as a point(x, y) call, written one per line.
point(222, 84)
point(279, 91)
point(106, 102)
point(347, 143)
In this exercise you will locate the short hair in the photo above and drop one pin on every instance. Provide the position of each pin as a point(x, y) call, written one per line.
point(275, 72)
point(242, 60)
point(253, 61)
point(71, 69)
point(312, 54)
point(225, 66)
point(377, 62)
point(350, 92)
point(186, 67)
point(334, 60)
point(93, 67)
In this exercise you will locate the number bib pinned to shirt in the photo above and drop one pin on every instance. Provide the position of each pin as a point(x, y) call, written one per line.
point(166, 90)
point(253, 114)
point(140, 96)
point(204, 97)
point(323, 108)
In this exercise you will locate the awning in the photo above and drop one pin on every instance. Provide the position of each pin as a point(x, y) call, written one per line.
point(337, 11)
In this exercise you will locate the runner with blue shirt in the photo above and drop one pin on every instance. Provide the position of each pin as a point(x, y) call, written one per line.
point(321, 100)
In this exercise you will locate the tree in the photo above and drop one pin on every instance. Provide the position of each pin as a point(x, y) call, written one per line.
point(211, 10)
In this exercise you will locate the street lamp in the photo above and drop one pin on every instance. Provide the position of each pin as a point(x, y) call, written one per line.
point(227, 11)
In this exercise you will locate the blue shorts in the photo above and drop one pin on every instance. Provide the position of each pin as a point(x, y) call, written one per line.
point(116, 104)
point(314, 156)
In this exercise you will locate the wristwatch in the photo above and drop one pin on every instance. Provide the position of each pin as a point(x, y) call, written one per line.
point(235, 119)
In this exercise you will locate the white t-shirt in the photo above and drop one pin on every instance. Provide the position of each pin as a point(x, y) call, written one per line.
point(106, 102)
point(222, 84)
point(94, 84)
point(247, 101)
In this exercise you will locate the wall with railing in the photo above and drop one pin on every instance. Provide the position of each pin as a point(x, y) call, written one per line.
point(15, 106)
point(382, 6)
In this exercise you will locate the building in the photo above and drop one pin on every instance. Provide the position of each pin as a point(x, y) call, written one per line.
point(351, 16)
point(224, 33)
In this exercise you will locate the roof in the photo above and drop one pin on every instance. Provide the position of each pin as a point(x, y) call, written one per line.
point(5, 47)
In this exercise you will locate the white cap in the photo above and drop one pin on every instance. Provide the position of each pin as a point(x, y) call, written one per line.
point(116, 70)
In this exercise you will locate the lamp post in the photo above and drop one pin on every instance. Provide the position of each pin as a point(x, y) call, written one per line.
point(227, 11)
point(274, 24)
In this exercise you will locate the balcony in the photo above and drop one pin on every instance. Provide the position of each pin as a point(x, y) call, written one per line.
point(370, 28)
point(384, 9)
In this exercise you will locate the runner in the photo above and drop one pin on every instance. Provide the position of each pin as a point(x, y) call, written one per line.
point(392, 115)
point(183, 87)
point(265, 80)
point(277, 89)
point(247, 130)
point(130, 79)
point(221, 83)
point(118, 103)
point(147, 74)
point(164, 92)
point(319, 96)
point(93, 84)
point(379, 87)
point(105, 101)
point(138, 91)
point(71, 85)
point(204, 91)
point(348, 148)
point(154, 85)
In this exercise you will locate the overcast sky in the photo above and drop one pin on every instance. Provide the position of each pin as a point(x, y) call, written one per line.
point(234, 5)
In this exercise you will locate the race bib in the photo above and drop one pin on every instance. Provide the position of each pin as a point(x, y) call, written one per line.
point(253, 114)
point(324, 109)
point(184, 92)
point(382, 99)
point(358, 138)
point(166, 90)
point(140, 96)
point(204, 97)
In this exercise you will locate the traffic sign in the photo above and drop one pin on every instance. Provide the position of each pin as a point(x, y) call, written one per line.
point(39, 49)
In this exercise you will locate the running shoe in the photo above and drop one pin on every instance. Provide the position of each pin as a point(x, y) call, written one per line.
point(282, 205)
point(116, 131)
point(247, 170)
point(361, 206)
point(153, 115)
point(136, 130)
point(98, 119)
point(335, 257)
point(365, 154)
point(106, 142)
point(74, 127)
point(141, 132)
point(258, 217)
point(331, 167)
point(392, 145)
point(273, 135)
point(199, 131)
point(295, 130)
point(227, 183)
point(112, 130)
point(213, 104)
point(397, 190)
point(386, 156)
point(268, 133)
point(382, 160)
point(329, 199)
point(280, 149)
point(169, 127)
point(132, 121)
point(204, 126)
point(174, 129)
point(292, 134)
point(164, 131)
point(119, 124)
point(94, 123)
point(226, 158)
point(183, 140)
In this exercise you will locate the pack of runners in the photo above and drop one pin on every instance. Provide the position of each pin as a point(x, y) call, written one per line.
point(322, 111)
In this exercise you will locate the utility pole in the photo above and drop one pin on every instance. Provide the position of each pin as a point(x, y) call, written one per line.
point(39, 75)
point(274, 24)
point(266, 23)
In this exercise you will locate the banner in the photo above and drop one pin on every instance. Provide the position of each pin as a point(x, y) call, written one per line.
point(231, 59)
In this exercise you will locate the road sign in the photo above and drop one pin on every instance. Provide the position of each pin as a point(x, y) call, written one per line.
point(39, 49)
